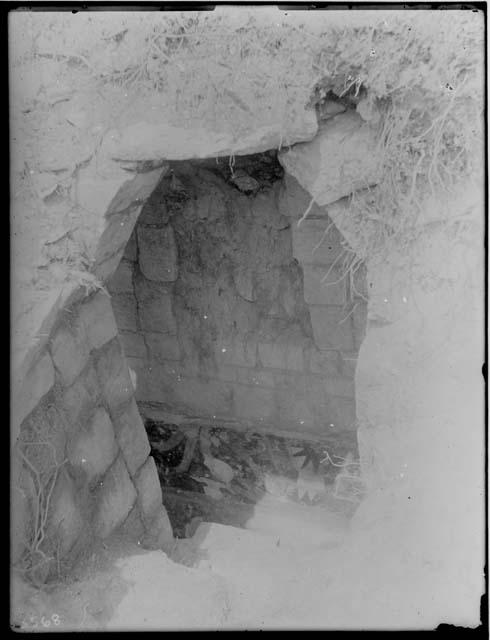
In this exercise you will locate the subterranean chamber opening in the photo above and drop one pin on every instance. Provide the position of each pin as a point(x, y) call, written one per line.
point(243, 333)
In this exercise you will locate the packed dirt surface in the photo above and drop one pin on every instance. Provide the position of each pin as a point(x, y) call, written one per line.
point(222, 577)
point(293, 567)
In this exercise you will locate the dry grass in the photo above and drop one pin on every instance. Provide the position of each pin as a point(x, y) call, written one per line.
point(36, 561)
point(420, 72)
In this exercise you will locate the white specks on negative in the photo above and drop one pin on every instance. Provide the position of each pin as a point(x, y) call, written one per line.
point(331, 424)
point(404, 299)
point(301, 421)
point(223, 350)
point(205, 317)
point(385, 300)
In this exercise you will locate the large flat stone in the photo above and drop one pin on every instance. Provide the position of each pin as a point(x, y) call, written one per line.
point(70, 351)
point(66, 520)
point(93, 449)
point(131, 436)
point(38, 381)
point(340, 160)
point(112, 243)
point(113, 375)
point(97, 317)
point(317, 242)
point(125, 311)
point(122, 279)
point(155, 306)
point(157, 253)
point(115, 499)
point(149, 491)
point(150, 141)
point(159, 534)
point(79, 400)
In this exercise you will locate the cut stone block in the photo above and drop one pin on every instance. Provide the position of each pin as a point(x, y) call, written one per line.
point(332, 329)
point(162, 347)
point(38, 381)
point(294, 408)
point(149, 491)
point(125, 311)
point(45, 424)
point(238, 352)
point(97, 317)
point(343, 411)
point(122, 280)
point(324, 286)
point(272, 355)
point(94, 449)
point(155, 306)
point(113, 374)
point(252, 377)
point(70, 352)
point(316, 242)
point(359, 319)
point(79, 400)
point(155, 211)
point(131, 250)
point(112, 243)
point(294, 357)
point(209, 397)
point(115, 499)
point(244, 283)
point(66, 521)
point(133, 526)
point(132, 437)
point(254, 403)
point(159, 534)
point(349, 364)
point(104, 271)
point(332, 386)
point(157, 253)
point(133, 344)
point(325, 362)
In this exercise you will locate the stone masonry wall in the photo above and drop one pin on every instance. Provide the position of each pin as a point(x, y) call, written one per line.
point(215, 313)
point(81, 466)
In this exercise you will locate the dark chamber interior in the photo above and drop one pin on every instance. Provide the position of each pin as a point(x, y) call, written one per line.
point(215, 316)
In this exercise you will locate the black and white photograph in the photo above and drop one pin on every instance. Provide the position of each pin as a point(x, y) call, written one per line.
point(248, 316)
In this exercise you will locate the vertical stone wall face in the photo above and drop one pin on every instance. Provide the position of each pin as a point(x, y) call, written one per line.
point(219, 313)
point(81, 466)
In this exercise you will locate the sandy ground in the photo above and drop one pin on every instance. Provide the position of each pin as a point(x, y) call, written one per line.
point(223, 577)
point(294, 567)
